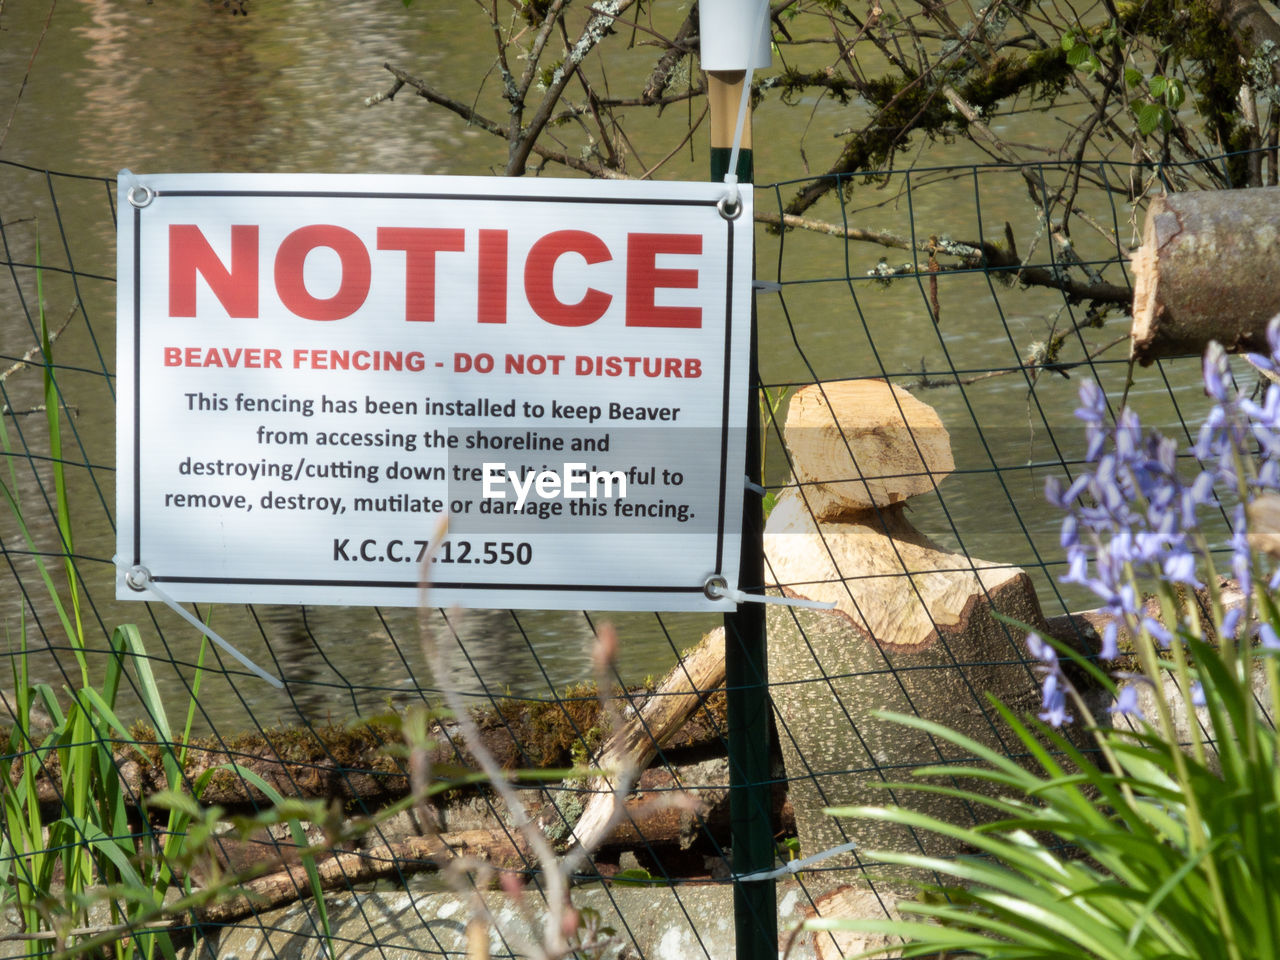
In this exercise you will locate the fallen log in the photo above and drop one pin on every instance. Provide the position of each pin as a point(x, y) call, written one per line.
point(1208, 269)
point(343, 870)
point(636, 743)
point(355, 764)
point(669, 810)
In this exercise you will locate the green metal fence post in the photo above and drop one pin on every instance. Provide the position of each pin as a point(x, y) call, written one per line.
point(746, 664)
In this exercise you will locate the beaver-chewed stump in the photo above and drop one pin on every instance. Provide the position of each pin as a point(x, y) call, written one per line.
point(913, 630)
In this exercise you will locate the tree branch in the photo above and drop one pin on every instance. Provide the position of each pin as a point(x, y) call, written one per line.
point(477, 119)
point(597, 27)
point(973, 255)
point(1255, 31)
point(911, 105)
point(682, 43)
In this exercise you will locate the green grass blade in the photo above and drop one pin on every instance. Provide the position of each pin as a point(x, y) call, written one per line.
point(130, 639)
point(63, 506)
point(299, 838)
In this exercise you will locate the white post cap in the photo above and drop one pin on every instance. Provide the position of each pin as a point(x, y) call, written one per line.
point(728, 34)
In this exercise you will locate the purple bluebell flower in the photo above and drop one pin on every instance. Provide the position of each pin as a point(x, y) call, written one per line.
point(1127, 703)
point(1054, 688)
point(1093, 404)
point(1131, 517)
point(1070, 535)
point(1269, 475)
point(1231, 620)
point(1055, 701)
point(1216, 372)
point(1157, 630)
point(1241, 556)
point(1181, 568)
point(1267, 636)
point(1110, 641)
point(1042, 650)
point(1197, 694)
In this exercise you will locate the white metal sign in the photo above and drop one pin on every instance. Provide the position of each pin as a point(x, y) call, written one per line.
point(315, 371)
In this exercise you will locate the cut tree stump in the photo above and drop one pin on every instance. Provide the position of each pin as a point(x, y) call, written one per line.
point(914, 631)
point(1208, 269)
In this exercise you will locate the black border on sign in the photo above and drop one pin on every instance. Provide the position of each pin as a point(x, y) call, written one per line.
point(415, 584)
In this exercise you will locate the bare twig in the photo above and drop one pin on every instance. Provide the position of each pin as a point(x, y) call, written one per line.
point(930, 383)
point(475, 118)
point(385, 95)
point(31, 354)
point(679, 47)
point(554, 940)
point(22, 87)
point(974, 255)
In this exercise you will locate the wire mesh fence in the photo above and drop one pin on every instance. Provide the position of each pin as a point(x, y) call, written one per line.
point(920, 351)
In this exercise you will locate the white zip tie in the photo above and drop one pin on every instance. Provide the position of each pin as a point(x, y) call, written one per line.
point(734, 196)
point(795, 866)
point(717, 588)
point(139, 578)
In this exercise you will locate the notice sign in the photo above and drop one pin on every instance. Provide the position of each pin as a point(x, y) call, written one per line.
point(316, 371)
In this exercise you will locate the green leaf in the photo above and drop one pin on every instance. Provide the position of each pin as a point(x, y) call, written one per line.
point(1078, 54)
point(103, 709)
point(176, 800)
point(1132, 77)
point(1157, 86)
point(1150, 116)
point(1068, 42)
point(110, 848)
point(635, 877)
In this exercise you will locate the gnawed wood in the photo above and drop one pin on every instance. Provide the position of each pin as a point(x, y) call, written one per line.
point(830, 685)
point(915, 631)
point(859, 444)
point(891, 583)
point(1208, 269)
point(862, 901)
point(638, 740)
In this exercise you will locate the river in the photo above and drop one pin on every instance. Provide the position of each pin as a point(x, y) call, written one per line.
point(186, 88)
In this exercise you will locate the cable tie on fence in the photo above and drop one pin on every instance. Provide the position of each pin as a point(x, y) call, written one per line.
point(766, 286)
point(139, 578)
point(717, 588)
point(731, 205)
point(795, 866)
point(753, 486)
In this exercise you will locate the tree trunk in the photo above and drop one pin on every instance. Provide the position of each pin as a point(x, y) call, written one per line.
point(914, 632)
point(914, 629)
point(1208, 269)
